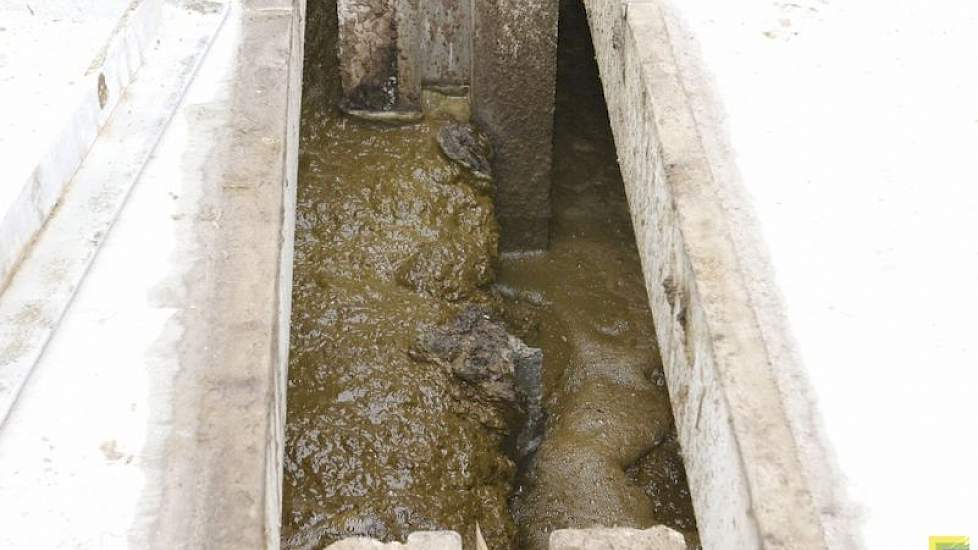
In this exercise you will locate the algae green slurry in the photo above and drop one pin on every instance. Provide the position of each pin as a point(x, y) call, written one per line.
point(391, 427)
point(392, 239)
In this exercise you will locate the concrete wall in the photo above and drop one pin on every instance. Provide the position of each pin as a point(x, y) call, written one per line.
point(390, 48)
point(434, 45)
point(800, 181)
point(368, 51)
point(752, 485)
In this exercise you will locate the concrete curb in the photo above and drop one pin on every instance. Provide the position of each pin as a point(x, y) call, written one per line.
point(656, 538)
point(153, 418)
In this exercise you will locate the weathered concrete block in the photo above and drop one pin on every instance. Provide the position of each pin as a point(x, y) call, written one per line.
point(388, 49)
point(657, 538)
point(423, 540)
point(514, 73)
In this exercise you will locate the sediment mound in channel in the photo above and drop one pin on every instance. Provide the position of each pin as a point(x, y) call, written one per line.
point(403, 395)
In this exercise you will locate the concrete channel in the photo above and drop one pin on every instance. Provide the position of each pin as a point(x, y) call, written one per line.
point(410, 274)
point(210, 426)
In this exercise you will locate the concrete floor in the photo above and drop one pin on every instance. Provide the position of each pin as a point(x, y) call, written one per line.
point(154, 336)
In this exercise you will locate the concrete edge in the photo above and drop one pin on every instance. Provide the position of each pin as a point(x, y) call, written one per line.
point(618, 538)
point(756, 466)
point(418, 540)
point(841, 517)
point(275, 448)
point(112, 70)
point(224, 453)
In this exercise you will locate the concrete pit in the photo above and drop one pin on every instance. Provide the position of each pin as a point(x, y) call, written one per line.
point(435, 383)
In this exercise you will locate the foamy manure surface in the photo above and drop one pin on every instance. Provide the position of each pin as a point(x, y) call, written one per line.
point(395, 422)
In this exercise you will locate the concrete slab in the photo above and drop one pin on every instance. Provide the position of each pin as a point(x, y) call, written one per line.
point(63, 67)
point(773, 154)
point(153, 418)
point(423, 540)
point(657, 538)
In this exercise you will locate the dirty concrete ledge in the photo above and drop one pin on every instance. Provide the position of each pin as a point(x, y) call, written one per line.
point(154, 417)
point(755, 460)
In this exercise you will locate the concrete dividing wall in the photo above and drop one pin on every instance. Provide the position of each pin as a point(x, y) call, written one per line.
point(514, 72)
point(755, 465)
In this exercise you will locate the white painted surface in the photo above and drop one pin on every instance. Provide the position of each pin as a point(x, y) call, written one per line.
point(64, 64)
point(853, 129)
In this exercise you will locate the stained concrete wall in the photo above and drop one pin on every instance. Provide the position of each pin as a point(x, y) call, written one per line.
point(390, 48)
point(446, 41)
point(368, 49)
point(434, 46)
